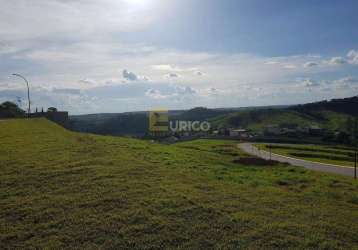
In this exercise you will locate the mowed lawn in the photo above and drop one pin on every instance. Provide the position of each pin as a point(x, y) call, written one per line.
point(60, 189)
point(338, 155)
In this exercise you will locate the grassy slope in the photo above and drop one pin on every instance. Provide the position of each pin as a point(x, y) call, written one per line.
point(316, 153)
point(62, 189)
point(334, 120)
point(256, 120)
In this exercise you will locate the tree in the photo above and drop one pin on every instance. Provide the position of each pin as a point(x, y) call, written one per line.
point(52, 109)
point(10, 110)
point(343, 137)
point(350, 125)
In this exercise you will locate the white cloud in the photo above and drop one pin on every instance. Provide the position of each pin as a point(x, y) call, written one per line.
point(51, 55)
point(229, 72)
point(165, 67)
point(175, 93)
point(7, 49)
point(347, 81)
point(337, 60)
point(45, 19)
point(155, 94)
point(310, 64)
point(67, 91)
point(173, 75)
point(87, 81)
point(310, 83)
point(289, 66)
point(272, 63)
point(185, 90)
point(213, 92)
point(60, 42)
point(129, 75)
point(353, 56)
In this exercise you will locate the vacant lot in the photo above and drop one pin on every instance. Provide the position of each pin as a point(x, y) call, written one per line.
point(339, 155)
point(60, 189)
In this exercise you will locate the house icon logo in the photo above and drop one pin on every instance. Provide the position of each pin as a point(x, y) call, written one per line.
point(159, 121)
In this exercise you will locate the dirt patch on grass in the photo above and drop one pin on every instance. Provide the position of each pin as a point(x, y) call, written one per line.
point(255, 161)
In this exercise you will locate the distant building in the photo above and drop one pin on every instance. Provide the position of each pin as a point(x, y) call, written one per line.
point(290, 132)
point(237, 132)
point(272, 130)
point(59, 117)
point(316, 131)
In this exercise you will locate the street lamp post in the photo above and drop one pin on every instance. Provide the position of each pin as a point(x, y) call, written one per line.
point(355, 146)
point(28, 93)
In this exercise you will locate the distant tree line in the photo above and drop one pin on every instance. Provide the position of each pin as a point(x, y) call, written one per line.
point(11, 110)
point(347, 106)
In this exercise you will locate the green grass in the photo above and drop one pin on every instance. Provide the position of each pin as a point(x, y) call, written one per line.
point(60, 189)
point(333, 120)
point(318, 153)
point(256, 120)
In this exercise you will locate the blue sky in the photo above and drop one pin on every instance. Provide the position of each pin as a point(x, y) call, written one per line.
point(267, 28)
point(126, 55)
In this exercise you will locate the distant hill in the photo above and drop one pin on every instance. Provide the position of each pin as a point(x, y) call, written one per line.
point(258, 119)
point(200, 114)
point(331, 115)
point(135, 123)
point(205, 114)
point(348, 106)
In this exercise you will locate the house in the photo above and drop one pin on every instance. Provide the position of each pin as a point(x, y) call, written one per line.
point(290, 132)
point(59, 117)
point(238, 132)
point(316, 131)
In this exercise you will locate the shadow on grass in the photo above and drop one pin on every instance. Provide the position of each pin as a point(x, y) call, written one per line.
point(249, 160)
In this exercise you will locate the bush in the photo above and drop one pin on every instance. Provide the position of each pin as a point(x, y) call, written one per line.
point(10, 110)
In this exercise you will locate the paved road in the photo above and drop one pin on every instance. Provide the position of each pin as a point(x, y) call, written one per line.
point(342, 170)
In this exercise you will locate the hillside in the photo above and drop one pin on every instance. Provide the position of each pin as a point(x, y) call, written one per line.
point(130, 123)
point(257, 120)
point(331, 115)
point(348, 106)
point(135, 124)
point(61, 189)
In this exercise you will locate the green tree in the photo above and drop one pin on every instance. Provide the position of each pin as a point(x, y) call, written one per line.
point(52, 109)
point(10, 110)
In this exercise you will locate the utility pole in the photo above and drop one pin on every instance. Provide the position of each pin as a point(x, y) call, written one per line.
point(355, 147)
point(28, 93)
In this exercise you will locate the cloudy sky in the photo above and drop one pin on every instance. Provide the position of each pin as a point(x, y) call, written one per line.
point(90, 56)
